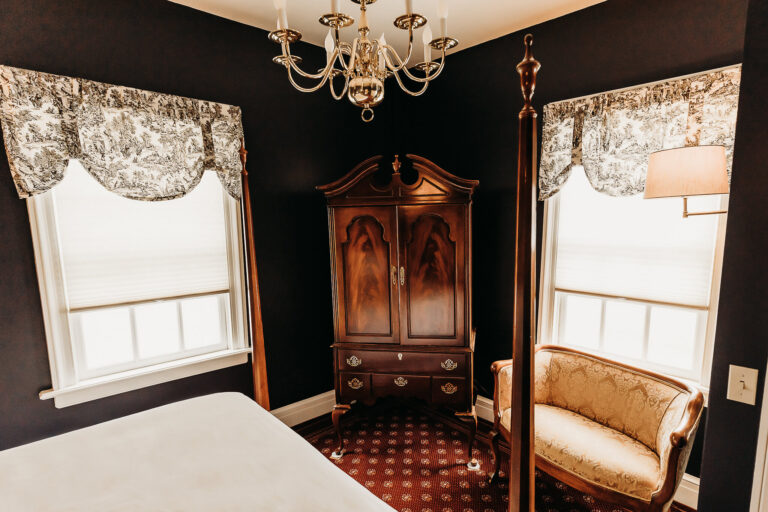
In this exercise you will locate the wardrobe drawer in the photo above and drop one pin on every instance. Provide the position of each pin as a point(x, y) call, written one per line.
point(416, 386)
point(383, 361)
point(449, 391)
point(354, 386)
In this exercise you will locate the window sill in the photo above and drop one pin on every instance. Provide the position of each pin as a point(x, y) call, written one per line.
point(122, 382)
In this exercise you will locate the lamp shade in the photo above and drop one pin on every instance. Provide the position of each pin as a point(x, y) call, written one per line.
point(688, 171)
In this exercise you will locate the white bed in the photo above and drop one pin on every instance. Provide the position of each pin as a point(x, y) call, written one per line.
point(219, 452)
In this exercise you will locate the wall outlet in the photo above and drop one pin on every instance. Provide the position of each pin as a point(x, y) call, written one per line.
point(742, 384)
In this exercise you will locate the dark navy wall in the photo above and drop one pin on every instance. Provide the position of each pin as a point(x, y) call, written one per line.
point(466, 123)
point(731, 435)
point(295, 142)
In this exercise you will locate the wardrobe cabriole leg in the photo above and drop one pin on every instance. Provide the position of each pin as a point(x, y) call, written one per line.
point(471, 419)
point(339, 410)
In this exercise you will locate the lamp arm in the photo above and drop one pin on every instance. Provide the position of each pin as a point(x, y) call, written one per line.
point(687, 214)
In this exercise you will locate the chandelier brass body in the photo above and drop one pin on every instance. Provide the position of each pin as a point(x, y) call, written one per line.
point(364, 64)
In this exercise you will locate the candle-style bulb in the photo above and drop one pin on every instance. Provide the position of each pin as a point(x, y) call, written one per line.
point(382, 46)
point(334, 6)
point(408, 7)
point(442, 8)
point(282, 19)
point(330, 45)
point(282, 16)
point(442, 13)
point(426, 37)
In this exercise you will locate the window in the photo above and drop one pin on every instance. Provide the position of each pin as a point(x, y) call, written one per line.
point(631, 279)
point(135, 293)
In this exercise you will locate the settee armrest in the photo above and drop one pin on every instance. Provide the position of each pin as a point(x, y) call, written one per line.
point(675, 440)
point(502, 388)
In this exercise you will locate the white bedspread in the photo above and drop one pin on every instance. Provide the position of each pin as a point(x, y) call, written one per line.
point(219, 452)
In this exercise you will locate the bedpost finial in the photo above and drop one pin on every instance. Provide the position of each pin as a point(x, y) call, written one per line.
point(396, 164)
point(528, 68)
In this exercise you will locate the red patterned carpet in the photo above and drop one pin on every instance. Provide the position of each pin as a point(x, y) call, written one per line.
point(417, 463)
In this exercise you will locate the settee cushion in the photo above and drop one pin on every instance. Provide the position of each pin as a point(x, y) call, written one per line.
point(625, 400)
point(594, 452)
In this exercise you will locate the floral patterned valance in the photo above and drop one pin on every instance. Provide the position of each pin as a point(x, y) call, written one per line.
point(612, 134)
point(139, 144)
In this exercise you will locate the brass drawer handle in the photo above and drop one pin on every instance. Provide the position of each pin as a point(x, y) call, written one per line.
point(449, 365)
point(393, 273)
point(402, 276)
point(449, 388)
point(355, 383)
point(354, 361)
point(401, 382)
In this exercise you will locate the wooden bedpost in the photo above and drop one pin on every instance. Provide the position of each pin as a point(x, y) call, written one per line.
point(260, 389)
point(522, 453)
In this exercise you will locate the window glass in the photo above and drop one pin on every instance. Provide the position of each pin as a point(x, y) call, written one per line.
point(630, 278)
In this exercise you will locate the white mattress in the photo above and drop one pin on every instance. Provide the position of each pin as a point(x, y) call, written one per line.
point(219, 452)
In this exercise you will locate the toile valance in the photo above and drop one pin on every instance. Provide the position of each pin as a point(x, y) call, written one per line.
point(138, 144)
point(612, 134)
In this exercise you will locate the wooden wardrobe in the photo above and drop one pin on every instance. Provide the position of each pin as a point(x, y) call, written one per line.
point(401, 259)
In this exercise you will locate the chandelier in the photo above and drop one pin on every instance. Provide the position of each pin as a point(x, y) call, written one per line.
point(366, 63)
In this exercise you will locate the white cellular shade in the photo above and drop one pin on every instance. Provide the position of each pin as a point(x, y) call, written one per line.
point(117, 250)
point(635, 248)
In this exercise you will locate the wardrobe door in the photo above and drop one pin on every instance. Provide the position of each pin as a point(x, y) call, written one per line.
point(432, 274)
point(365, 245)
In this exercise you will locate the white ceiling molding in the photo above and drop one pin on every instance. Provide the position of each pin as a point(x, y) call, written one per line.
point(470, 21)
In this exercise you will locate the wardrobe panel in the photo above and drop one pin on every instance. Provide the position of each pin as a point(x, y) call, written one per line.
point(366, 256)
point(432, 249)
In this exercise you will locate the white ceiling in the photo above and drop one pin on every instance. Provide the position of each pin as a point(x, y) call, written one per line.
point(470, 21)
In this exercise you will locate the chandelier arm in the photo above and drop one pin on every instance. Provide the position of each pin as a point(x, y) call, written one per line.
point(406, 90)
point(343, 91)
point(308, 89)
point(400, 63)
point(312, 76)
point(429, 77)
point(341, 47)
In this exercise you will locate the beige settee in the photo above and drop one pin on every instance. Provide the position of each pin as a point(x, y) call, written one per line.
point(619, 433)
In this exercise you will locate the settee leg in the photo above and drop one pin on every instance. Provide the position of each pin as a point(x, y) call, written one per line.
point(339, 410)
point(470, 418)
point(496, 456)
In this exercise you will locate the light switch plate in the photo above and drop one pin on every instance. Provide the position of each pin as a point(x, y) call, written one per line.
point(742, 384)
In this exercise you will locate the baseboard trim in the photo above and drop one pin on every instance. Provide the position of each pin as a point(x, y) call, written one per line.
point(484, 408)
point(307, 409)
point(310, 408)
point(688, 492)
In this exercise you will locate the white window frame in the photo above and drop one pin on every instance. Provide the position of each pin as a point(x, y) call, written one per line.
point(67, 389)
point(548, 308)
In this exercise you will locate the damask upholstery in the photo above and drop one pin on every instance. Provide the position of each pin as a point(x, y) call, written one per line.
point(627, 401)
point(607, 425)
point(597, 453)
